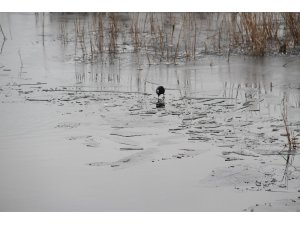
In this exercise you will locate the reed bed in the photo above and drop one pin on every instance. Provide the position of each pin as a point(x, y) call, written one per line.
point(181, 37)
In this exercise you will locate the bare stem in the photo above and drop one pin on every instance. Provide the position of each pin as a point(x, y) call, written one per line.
point(2, 32)
point(43, 29)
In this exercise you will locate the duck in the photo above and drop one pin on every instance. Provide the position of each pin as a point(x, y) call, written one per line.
point(160, 102)
point(160, 90)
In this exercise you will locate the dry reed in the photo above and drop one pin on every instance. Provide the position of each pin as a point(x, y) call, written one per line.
point(168, 37)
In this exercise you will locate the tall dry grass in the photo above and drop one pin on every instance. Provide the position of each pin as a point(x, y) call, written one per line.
point(292, 22)
point(173, 37)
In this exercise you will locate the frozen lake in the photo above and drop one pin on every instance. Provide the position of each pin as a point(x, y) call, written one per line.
point(85, 135)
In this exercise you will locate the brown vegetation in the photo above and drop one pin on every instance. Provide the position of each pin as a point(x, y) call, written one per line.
point(172, 37)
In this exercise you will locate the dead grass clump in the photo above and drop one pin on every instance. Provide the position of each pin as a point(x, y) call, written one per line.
point(113, 32)
point(80, 37)
point(99, 37)
point(256, 32)
point(135, 32)
point(292, 21)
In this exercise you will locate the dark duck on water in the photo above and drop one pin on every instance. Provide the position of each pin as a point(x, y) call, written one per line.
point(160, 91)
point(160, 102)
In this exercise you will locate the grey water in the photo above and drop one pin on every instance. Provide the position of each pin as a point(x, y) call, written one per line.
point(39, 53)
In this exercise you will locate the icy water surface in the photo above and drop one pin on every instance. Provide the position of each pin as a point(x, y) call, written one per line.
point(81, 136)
